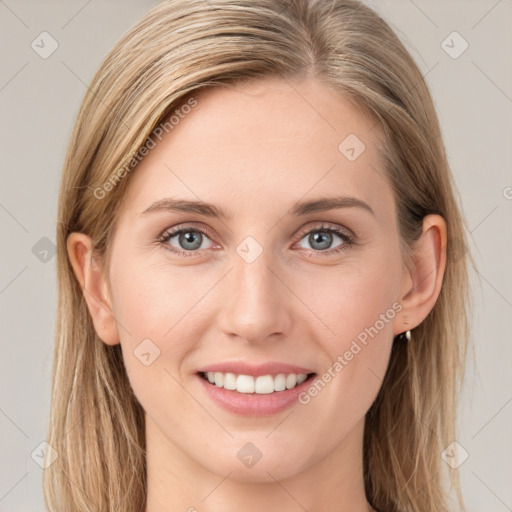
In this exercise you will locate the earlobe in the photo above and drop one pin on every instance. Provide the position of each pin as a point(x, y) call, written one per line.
point(422, 284)
point(89, 273)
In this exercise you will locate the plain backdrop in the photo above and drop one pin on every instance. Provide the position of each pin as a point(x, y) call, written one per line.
point(39, 99)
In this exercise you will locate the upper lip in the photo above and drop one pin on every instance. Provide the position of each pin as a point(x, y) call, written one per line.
point(244, 368)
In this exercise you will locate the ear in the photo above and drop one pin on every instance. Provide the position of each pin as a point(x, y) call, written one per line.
point(89, 273)
point(422, 280)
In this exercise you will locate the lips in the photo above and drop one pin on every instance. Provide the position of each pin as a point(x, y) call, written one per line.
point(254, 390)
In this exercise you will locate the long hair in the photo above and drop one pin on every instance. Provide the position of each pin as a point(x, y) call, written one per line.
point(179, 47)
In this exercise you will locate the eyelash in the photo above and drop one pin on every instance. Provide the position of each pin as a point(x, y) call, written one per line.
point(348, 240)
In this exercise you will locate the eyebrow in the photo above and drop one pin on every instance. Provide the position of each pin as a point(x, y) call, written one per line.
point(297, 209)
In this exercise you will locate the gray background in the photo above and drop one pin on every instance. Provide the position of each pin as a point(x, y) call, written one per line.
point(39, 99)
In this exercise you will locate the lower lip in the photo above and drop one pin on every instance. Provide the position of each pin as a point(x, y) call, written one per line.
point(253, 404)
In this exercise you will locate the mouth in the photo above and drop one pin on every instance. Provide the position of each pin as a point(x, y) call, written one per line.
point(256, 385)
point(254, 395)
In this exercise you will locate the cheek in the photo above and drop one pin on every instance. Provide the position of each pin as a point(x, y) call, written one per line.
point(155, 300)
point(159, 321)
point(358, 306)
point(355, 300)
point(160, 311)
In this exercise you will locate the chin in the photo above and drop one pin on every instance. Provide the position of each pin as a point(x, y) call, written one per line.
point(258, 462)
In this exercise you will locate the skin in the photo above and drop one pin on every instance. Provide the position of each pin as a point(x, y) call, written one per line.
point(255, 150)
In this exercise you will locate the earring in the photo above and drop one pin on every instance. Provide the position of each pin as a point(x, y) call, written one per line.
point(405, 335)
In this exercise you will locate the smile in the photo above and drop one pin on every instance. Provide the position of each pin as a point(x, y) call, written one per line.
point(253, 395)
point(248, 384)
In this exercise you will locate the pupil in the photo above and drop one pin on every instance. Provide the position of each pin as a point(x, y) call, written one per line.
point(188, 238)
point(317, 238)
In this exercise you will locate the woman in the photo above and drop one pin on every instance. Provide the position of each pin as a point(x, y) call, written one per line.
point(262, 270)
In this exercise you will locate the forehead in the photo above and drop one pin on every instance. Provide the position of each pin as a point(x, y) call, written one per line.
point(259, 143)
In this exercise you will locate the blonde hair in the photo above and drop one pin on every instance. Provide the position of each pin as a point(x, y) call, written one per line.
point(176, 49)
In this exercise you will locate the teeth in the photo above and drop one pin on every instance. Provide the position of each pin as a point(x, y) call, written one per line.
point(245, 384)
point(280, 382)
point(301, 378)
point(230, 381)
point(291, 381)
point(219, 379)
point(263, 385)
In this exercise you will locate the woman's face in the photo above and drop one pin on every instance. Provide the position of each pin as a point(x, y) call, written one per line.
point(266, 289)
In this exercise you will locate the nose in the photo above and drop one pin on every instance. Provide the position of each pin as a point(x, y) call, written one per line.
point(255, 300)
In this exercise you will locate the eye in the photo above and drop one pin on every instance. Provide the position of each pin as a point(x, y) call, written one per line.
point(321, 238)
point(189, 240)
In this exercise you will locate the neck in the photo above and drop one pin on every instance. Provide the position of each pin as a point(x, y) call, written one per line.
point(177, 482)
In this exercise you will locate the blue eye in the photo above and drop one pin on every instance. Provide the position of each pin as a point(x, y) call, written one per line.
point(321, 239)
point(190, 240)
